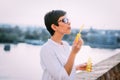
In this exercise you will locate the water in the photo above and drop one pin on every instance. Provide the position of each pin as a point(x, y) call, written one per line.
point(22, 62)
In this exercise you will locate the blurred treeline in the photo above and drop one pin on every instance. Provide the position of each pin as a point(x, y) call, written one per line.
point(38, 35)
point(9, 34)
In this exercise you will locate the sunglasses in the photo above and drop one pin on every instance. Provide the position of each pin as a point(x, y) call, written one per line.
point(64, 20)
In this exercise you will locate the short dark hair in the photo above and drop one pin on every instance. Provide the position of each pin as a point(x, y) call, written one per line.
point(52, 18)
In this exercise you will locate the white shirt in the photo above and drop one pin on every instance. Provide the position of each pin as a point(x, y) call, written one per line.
point(53, 58)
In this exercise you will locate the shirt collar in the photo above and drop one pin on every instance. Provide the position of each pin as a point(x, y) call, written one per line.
point(53, 42)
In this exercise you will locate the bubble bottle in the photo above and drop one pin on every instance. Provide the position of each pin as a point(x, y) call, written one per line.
point(89, 65)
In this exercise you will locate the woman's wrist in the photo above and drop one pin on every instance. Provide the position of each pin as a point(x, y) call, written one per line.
point(73, 53)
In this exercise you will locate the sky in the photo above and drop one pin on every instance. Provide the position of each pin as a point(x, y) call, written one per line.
point(100, 14)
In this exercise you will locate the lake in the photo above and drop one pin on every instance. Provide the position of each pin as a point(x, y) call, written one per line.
point(22, 62)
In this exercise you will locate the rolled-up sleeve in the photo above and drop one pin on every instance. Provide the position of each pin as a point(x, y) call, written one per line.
point(51, 63)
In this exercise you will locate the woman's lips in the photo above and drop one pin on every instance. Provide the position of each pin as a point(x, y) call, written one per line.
point(69, 27)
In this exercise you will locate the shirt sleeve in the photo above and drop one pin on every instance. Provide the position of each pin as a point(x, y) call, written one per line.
point(52, 64)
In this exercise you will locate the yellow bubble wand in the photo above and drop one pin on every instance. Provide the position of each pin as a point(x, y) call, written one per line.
point(79, 34)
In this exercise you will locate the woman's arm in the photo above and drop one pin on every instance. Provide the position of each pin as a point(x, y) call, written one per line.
point(75, 48)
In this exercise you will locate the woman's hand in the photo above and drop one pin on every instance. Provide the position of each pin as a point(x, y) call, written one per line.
point(81, 66)
point(77, 46)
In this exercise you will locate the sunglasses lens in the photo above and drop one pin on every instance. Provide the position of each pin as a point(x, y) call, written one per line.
point(65, 20)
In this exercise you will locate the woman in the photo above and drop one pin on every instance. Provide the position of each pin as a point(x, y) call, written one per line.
point(57, 60)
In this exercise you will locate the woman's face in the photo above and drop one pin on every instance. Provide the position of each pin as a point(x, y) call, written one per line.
point(64, 25)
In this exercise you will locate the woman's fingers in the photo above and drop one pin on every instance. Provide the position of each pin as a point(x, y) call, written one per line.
point(83, 66)
point(77, 45)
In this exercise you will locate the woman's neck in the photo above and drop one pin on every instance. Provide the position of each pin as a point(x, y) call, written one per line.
point(57, 39)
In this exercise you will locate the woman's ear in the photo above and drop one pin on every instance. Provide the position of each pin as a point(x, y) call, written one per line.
point(54, 27)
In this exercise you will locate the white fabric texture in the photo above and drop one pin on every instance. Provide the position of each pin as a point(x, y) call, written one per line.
point(53, 58)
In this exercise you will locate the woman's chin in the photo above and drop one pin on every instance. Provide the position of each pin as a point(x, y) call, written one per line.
point(69, 32)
